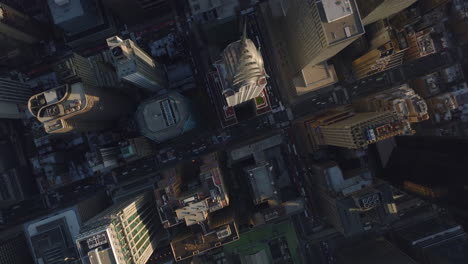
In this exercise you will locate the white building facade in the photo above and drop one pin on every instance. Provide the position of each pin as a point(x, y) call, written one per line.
point(242, 71)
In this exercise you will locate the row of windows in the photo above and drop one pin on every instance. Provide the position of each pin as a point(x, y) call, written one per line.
point(145, 237)
point(136, 219)
point(123, 249)
point(136, 233)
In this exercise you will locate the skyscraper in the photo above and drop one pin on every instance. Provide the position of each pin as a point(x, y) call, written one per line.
point(378, 60)
point(442, 103)
point(435, 240)
point(423, 43)
point(18, 26)
point(11, 191)
point(386, 52)
point(127, 232)
point(343, 127)
point(17, 31)
point(352, 202)
point(13, 246)
point(105, 71)
point(417, 163)
point(401, 99)
point(136, 66)
point(318, 30)
point(242, 71)
point(84, 22)
point(266, 178)
point(92, 71)
point(373, 10)
point(363, 129)
point(165, 117)
point(193, 206)
point(75, 16)
point(16, 179)
point(192, 203)
point(77, 106)
point(142, 10)
point(303, 35)
point(14, 95)
point(215, 10)
point(75, 68)
point(51, 237)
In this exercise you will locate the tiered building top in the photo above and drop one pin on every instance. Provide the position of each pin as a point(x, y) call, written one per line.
point(243, 71)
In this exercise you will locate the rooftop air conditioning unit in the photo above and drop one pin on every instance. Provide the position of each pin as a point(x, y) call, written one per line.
point(225, 232)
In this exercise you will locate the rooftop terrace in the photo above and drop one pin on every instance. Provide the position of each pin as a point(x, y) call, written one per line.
point(58, 102)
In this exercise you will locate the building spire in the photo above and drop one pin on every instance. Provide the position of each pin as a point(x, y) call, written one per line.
point(244, 32)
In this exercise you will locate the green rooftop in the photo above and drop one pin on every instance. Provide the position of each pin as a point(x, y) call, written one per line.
point(263, 239)
point(259, 100)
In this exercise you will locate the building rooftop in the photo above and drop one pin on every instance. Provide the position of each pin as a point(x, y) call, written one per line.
point(127, 57)
point(423, 43)
point(64, 10)
point(263, 166)
point(165, 117)
point(314, 77)
point(340, 19)
point(452, 251)
point(249, 149)
point(461, 95)
point(191, 202)
point(278, 243)
point(335, 10)
point(426, 44)
point(401, 99)
point(430, 232)
point(342, 185)
point(442, 103)
point(353, 202)
point(182, 198)
point(51, 237)
point(58, 102)
point(160, 115)
point(195, 243)
point(380, 125)
point(244, 63)
point(104, 218)
point(242, 71)
point(261, 181)
point(79, 19)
